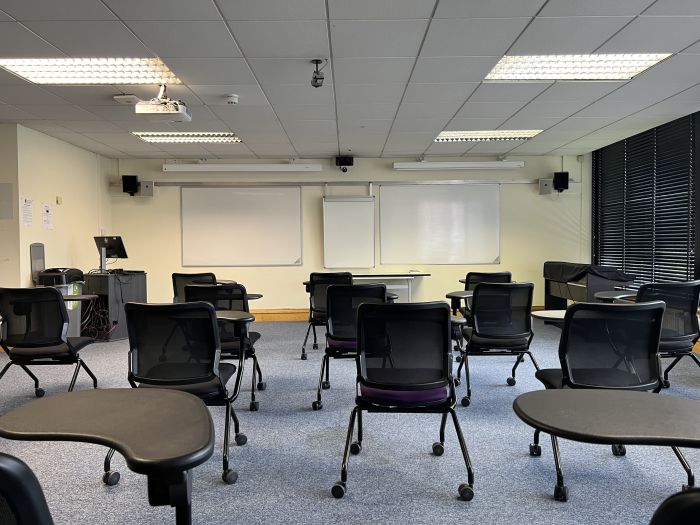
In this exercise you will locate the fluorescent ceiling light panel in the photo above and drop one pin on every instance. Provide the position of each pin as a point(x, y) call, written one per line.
point(487, 136)
point(572, 67)
point(187, 137)
point(240, 167)
point(76, 71)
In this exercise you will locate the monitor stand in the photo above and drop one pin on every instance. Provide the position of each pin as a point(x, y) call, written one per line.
point(103, 259)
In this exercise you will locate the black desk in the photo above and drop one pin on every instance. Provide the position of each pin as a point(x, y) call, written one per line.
point(235, 316)
point(610, 296)
point(457, 297)
point(161, 433)
point(114, 291)
point(612, 417)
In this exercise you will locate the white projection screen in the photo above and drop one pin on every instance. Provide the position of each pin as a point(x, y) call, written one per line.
point(439, 223)
point(241, 226)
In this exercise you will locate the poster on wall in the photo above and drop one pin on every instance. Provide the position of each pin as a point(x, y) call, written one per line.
point(27, 211)
point(47, 216)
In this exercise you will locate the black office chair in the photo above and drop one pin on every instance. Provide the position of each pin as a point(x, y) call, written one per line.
point(317, 285)
point(501, 327)
point(682, 508)
point(680, 329)
point(22, 501)
point(471, 280)
point(404, 366)
point(613, 346)
point(180, 280)
point(232, 297)
point(33, 332)
point(177, 346)
point(341, 336)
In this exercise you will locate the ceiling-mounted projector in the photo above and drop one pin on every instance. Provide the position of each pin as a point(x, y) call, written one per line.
point(163, 109)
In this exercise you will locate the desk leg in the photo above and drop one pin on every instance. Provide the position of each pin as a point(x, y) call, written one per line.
point(175, 489)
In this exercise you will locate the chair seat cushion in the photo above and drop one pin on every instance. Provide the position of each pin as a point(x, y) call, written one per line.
point(318, 317)
point(592, 377)
point(408, 397)
point(341, 345)
point(682, 346)
point(550, 377)
point(59, 352)
point(78, 343)
point(477, 342)
point(205, 390)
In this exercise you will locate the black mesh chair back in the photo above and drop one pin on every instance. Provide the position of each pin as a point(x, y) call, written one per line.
point(474, 278)
point(172, 344)
point(180, 280)
point(22, 501)
point(502, 310)
point(611, 345)
point(680, 324)
point(404, 346)
point(318, 286)
point(222, 296)
point(32, 317)
point(342, 303)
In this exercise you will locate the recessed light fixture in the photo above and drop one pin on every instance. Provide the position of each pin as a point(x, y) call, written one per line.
point(187, 137)
point(487, 136)
point(74, 71)
point(573, 67)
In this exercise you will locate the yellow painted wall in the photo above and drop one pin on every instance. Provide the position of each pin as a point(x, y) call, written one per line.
point(50, 169)
point(534, 228)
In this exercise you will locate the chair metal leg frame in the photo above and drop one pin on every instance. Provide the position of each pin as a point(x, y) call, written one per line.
point(466, 400)
point(315, 345)
point(229, 476)
point(521, 358)
point(89, 372)
point(338, 490)
point(675, 361)
point(686, 467)
point(561, 492)
point(466, 490)
point(262, 385)
point(303, 346)
point(38, 392)
point(325, 365)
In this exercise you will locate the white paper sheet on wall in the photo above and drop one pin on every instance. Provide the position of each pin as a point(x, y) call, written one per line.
point(27, 211)
point(47, 216)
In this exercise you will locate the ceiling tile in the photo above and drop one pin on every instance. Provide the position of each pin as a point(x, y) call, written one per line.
point(379, 9)
point(550, 109)
point(299, 94)
point(116, 113)
point(273, 9)
point(461, 37)
point(89, 126)
point(143, 125)
point(488, 109)
point(211, 71)
point(349, 124)
point(447, 148)
point(585, 125)
point(272, 149)
point(305, 112)
point(174, 91)
point(674, 7)
point(594, 8)
point(659, 34)
point(234, 150)
point(91, 39)
point(164, 9)
point(577, 91)
point(9, 113)
point(368, 110)
point(410, 110)
point(371, 70)
point(187, 39)
point(287, 70)
point(17, 42)
point(41, 10)
point(507, 92)
point(490, 9)
point(116, 139)
point(5, 18)
point(8, 78)
point(443, 92)
point(27, 94)
point(432, 125)
point(453, 69)
point(364, 93)
point(473, 124)
point(45, 126)
point(212, 126)
point(494, 148)
point(379, 38)
point(574, 35)
point(84, 95)
point(260, 115)
point(249, 94)
point(288, 39)
point(529, 121)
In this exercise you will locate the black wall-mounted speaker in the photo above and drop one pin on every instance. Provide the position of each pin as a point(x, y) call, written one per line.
point(344, 161)
point(130, 184)
point(561, 180)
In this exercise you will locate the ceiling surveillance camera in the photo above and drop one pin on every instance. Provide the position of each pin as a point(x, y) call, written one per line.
point(317, 76)
point(232, 99)
point(344, 169)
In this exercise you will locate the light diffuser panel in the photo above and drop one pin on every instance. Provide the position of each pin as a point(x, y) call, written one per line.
point(187, 137)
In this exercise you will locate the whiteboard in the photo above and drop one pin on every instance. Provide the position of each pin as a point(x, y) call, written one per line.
point(439, 224)
point(348, 232)
point(236, 226)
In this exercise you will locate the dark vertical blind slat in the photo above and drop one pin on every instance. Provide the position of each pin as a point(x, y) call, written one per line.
point(644, 203)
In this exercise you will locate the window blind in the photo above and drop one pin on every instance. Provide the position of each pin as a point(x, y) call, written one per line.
point(644, 200)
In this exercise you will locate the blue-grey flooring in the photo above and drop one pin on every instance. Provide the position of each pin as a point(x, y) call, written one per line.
point(293, 454)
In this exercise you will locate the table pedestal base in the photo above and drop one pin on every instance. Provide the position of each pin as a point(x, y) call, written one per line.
point(174, 489)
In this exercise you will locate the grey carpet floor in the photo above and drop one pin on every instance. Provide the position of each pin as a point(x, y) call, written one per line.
point(293, 454)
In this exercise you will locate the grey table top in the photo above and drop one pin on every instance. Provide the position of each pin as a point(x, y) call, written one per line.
point(458, 319)
point(235, 316)
point(549, 315)
point(81, 297)
point(460, 294)
point(612, 416)
point(612, 295)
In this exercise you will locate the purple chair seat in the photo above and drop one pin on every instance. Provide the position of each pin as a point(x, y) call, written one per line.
point(412, 397)
point(341, 344)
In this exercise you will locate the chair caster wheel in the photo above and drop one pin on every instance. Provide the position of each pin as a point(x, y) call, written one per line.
point(438, 448)
point(458, 358)
point(39, 392)
point(110, 478)
point(458, 382)
point(262, 385)
point(241, 439)
point(685, 487)
point(456, 348)
point(254, 406)
point(510, 381)
point(229, 476)
point(561, 493)
point(315, 346)
point(466, 492)
point(619, 450)
point(303, 357)
point(665, 383)
point(535, 449)
point(326, 385)
point(355, 448)
point(317, 405)
point(466, 401)
point(339, 489)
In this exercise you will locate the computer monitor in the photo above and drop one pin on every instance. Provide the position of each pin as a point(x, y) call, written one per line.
point(36, 257)
point(110, 247)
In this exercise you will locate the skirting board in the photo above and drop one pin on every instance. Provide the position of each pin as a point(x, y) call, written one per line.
point(282, 314)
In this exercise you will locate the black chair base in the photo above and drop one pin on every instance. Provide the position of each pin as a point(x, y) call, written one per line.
point(39, 392)
point(312, 325)
point(676, 359)
point(325, 384)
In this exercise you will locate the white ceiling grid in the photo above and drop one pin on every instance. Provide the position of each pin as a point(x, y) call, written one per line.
point(399, 72)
